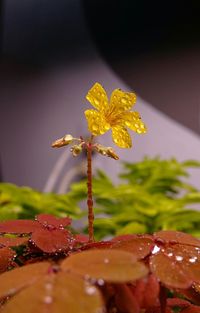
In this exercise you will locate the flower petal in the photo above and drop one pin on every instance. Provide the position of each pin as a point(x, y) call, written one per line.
point(97, 124)
point(121, 137)
point(134, 122)
point(97, 97)
point(122, 101)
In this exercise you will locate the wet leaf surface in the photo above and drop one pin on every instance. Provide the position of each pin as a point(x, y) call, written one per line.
point(6, 257)
point(177, 237)
point(13, 242)
point(177, 266)
point(19, 227)
point(16, 279)
point(51, 241)
point(140, 247)
point(48, 219)
point(110, 265)
point(191, 309)
point(61, 293)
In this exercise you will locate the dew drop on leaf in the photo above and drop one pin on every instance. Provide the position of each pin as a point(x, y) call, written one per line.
point(48, 300)
point(100, 282)
point(90, 290)
point(179, 258)
point(155, 250)
point(48, 286)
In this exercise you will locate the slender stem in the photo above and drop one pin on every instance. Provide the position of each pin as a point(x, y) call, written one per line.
point(89, 192)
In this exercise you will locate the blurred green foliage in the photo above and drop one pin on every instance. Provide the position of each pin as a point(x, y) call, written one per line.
point(153, 194)
point(24, 202)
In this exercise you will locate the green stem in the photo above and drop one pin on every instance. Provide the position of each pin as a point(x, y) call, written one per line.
point(89, 193)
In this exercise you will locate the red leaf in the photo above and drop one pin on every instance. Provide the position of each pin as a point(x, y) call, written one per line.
point(191, 309)
point(124, 237)
point(181, 303)
point(191, 294)
point(110, 265)
point(170, 236)
point(80, 238)
point(125, 300)
point(140, 247)
point(97, 245)
point(138, 290)
point(12, 281)
point(151, 292)
point(13, 242)
point(51, 220)
point(177, 266)
point(59, 293)
point(19, 227)
point(51, 241)
point(6, 257)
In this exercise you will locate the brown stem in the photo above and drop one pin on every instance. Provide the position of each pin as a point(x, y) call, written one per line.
point(89, 193)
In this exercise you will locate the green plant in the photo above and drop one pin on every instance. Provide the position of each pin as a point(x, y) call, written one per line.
point(156, 196)
point(24, 202)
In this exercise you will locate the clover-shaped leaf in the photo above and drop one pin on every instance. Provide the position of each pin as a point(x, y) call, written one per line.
point(47, 232)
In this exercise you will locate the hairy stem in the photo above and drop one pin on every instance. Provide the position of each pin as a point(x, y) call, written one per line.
point(89, 193)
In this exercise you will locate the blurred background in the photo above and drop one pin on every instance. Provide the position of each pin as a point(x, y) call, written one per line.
point(53, 51)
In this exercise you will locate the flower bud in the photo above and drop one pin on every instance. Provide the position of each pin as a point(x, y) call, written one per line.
point(61, 142)
point(76, 150)
point(107, 151)
point(111, 153)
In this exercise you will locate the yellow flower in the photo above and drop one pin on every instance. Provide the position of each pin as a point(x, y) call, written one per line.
point(115, 115)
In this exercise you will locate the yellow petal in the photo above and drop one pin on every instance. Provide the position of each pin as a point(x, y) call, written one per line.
point(134, 122)
point(121, 137)
point(122, 101)
point(97, 124)
point(98, 97)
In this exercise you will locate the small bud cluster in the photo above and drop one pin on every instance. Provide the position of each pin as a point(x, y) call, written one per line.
point(81, 144)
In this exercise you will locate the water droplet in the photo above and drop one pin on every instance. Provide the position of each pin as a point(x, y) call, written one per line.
point(123, 100)
point(12, 291)
point(94, 127)
point(48, 286)
point(96, 101)
point(128, 123)
point(48, 299)
point(106, 261)
point(193, 259)
point(155, 249)
point(100, 282)
point(179, 258)
point(90, 290)
point(170, 254)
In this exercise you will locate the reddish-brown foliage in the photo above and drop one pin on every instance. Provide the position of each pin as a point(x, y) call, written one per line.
point(129, 274)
